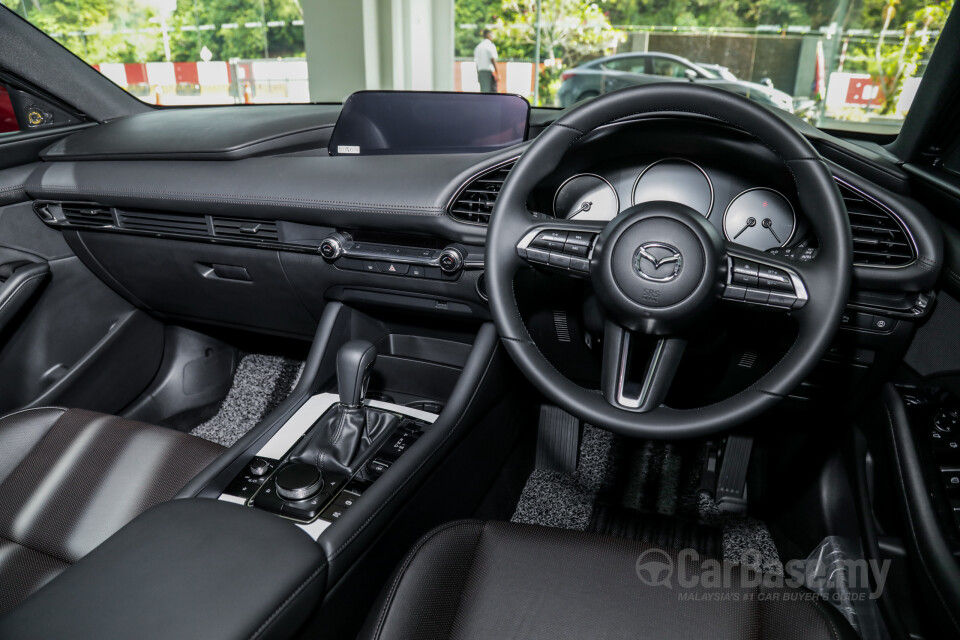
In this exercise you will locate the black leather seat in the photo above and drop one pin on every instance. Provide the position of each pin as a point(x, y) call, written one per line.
point(69, 479)
point(480, 580)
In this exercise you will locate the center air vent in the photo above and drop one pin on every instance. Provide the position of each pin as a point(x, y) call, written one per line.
point(164, 223)
point(257, 230)
point(474, 203)
point(84, 215)
point(879, 237)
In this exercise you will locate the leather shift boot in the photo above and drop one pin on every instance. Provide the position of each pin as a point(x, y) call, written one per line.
point(338, 442)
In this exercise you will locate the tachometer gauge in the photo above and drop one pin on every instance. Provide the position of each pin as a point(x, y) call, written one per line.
point(759, 218)
point(586, 196)
point(675, 180)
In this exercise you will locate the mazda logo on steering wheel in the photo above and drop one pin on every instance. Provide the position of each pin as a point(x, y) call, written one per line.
point(658, 262)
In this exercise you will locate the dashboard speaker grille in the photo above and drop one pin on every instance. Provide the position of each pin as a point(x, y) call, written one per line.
point(474, 202)
point(86, 215)
point(257, 230)
point(164, 223)
point(879, 237)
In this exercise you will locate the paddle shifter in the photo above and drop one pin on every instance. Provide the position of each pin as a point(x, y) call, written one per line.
point(337, 443)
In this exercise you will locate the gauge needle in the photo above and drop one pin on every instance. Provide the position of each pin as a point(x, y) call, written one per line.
point(751, 222)
point(768, 224)
point(583, 207)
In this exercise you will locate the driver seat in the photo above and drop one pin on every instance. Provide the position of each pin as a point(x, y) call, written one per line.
point(472, 579)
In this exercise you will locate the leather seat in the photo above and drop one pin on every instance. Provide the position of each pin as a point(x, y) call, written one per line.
point(69, 479)
point(472, 579)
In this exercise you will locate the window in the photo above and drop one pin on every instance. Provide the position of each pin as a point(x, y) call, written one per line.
point(836, 63)
point(8, 117)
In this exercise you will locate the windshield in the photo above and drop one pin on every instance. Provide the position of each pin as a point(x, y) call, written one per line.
point(840, 64)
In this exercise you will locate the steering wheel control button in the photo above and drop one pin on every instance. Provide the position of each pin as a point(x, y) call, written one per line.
point(784, 300)
point(733, 292)
point(552, 239)
point(559, 260)
point(579, 250)
point(580, 264)
point(298, 481)
point(580, 238)
point(756, 295)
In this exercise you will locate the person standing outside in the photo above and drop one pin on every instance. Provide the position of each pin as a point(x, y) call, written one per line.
point(485, 57)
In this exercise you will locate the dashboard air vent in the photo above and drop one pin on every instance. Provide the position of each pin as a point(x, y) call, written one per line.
point(256, 230)
point(87, 215)
point(474, 203)
point(879, 237)
point(184, 224)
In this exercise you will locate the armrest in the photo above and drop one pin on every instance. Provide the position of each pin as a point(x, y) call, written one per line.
point(185, 569)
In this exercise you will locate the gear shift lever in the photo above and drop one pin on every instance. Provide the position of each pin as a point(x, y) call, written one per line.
point(337, 443)
point(355, 361)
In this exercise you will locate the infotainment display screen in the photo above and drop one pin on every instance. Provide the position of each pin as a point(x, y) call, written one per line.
point(407, 122)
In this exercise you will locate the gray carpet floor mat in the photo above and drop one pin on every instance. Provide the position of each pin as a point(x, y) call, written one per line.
point(260, 383)
point(658, 500)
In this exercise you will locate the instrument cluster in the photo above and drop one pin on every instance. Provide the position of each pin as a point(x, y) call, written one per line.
point(758, 217)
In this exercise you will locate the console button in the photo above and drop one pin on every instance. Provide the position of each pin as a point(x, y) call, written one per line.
point(580, 250)
point(333, 512)
point(298, 481)
point(258, 467)
point(377, 466)
point(394, 268)
point(305, 509)
point(370, 266)
point(415, 271)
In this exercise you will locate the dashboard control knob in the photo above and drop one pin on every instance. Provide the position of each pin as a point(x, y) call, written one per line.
point(298, 481)
point(331, 247)
point(451, 260)
point(258, 467)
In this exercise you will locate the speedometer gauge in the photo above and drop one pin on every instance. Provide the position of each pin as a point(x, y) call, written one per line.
point(675, 180)
point(586, 196)
point(759, 218)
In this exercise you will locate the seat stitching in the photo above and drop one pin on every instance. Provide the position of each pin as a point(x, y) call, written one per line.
point(283, 605)
point(429, 457)
point(381, 619)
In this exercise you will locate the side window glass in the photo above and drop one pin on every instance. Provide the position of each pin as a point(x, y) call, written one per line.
point(668, 68)
point(630, 65)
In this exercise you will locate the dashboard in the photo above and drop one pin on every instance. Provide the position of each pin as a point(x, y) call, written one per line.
point(757, 216)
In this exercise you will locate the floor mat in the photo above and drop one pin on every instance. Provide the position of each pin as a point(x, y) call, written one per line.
point(260, 384)
point(633, 489)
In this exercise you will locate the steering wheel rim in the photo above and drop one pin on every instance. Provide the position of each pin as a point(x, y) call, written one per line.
point(825, 280)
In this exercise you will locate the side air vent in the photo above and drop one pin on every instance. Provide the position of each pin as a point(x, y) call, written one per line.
point(83, 215)
point(879, 237)
point(183, 224)
point(474, 203)
point(256, 230)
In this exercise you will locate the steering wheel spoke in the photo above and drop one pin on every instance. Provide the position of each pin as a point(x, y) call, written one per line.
point(638, 376)
point(566, 247)
point(764, 281)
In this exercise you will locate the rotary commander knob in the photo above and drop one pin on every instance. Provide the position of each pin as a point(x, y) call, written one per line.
point(332, 246)
point(451, 260)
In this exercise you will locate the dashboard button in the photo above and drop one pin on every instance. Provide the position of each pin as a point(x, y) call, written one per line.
point(880, 323)
point(370, 265)
point(579, 250)
point(416, 271)
point(393, 268)
point(951, 477)
point(863, 320)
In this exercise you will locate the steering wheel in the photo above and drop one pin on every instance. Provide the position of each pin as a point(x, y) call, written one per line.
point(659, 266)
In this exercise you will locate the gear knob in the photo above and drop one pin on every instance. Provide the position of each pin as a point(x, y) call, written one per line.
point(355, 361)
